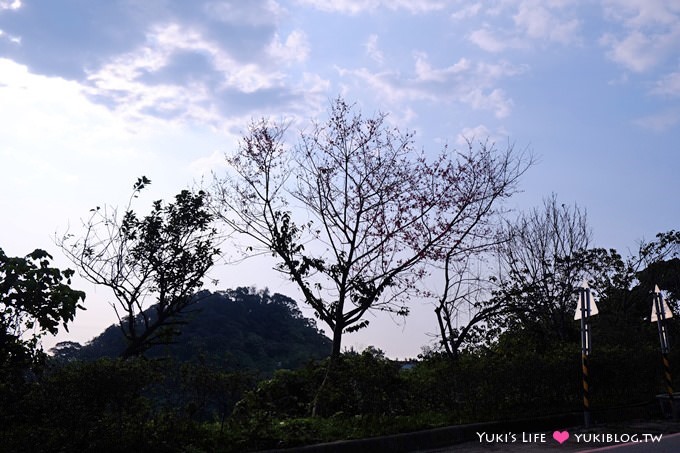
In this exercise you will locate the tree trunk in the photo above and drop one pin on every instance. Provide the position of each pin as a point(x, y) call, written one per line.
point(335, 356)
point(337, 342)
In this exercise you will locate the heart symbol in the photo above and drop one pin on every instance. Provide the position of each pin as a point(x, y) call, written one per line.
point(561, 436)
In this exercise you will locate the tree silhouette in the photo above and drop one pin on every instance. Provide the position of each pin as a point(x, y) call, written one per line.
point(353, 212)
point(35, 299)
point(545, 258)
point(162, 257)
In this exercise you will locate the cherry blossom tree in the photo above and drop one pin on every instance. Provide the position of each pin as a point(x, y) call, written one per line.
point(353, 212)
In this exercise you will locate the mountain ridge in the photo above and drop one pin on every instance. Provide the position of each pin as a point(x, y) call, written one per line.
point(234, 329)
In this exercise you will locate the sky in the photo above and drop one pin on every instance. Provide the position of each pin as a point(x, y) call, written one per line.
point(94, 94)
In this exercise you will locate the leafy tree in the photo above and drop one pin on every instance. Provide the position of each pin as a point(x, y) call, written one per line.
point(625, 288)
point(626, 302)
point(665, 247)
point(659, 261)
point(35, 299)
point(163, 257)
point(66, 351)
point(354, 212)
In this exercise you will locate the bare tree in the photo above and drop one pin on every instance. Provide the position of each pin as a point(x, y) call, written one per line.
point(153, 265)
point(354, 212)
point(543, 260)
point(466, 302)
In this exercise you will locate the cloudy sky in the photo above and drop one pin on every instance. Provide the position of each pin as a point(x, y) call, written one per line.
point(94, 94)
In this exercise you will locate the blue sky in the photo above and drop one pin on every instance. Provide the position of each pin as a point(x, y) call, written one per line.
point(94, 94)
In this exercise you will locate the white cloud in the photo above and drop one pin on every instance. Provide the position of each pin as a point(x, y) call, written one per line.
point(534, 22)
point(402, 116)
point(252, 12)
point(360, 6)
point(496, 71)
point(470, 134)
point(10, 38)
point(649, 32)
point(462, 82)
point(207, 164)
point(467, 11)
point(58, 146)
point(669, 85)
point(415, 6)
point(78, 139)
point(294, 50)
point(123, 79)
point(23, 169)
point(496, 100)
point(372, 49)
point(540, 23)
point(6, 5)
point(180, 74)
point(639, 51)
point(13, 5)
point(385, 84)
point(309, 97)
point(487, 40)
point(659, 122)
point(642, 13)
point(251, 77)
point(342, 6)
point(425, 72)
point(314, 83)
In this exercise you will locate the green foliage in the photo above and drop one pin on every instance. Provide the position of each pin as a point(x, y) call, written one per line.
point(266, 432)
point(210, 393)
point(205, 404)
point(236, 329)
point(82, 407)
point(116, 405)
point(665, 247)
point(133, 405)
point(358, 384)
point(162, 256)
point(35, 299)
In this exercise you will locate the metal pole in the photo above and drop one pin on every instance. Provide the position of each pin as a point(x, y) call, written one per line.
point(585, 351)
point(585, 309)
point(660, 310)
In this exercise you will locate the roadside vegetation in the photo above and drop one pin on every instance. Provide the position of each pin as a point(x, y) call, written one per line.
point(357, 219)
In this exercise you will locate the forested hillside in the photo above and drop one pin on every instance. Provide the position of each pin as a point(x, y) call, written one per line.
point(233, 329)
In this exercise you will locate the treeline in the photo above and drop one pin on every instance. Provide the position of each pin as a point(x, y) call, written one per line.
point(166, 404)
point(135, 404)
point(357, 218)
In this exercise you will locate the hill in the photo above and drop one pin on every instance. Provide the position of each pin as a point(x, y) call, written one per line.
point(232, 329)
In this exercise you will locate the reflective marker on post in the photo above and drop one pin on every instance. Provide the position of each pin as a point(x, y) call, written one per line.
point(661, 312)
point(584, 310)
